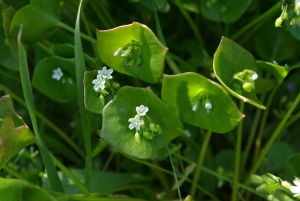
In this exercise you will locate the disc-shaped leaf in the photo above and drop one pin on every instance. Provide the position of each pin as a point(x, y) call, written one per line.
point(62, 90)
point(91, 98)
point(152, 57)
point(229, 59)
point(115, 127)
point(39, 19)
point(178, 92)
point(224, 11)
point(14, 134)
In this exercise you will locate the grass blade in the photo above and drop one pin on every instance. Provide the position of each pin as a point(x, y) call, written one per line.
point(25, 80)
point(80, 69)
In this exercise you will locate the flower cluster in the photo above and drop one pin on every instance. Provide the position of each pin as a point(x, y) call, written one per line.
point(202, 98)
point(143, 124)
point(275, 188)
point(288, 11)
point(247, 77)
point(131, 53)
point(104, 81)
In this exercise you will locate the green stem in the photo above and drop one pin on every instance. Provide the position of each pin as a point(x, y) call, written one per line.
point(172, 65)
point(191, 23)
point(99, 148)
point(237, 157)
point(99, 14)
point(15, 173)
point(263, 124)
point(181, 61)
point(45, 48)
point(257, 20)
point(69, 174)
point(80, 70)
point(200, 163)
point(107, 15)
point(28, 95)
point(9, 76)
point(70, 29)
point(292, 120)
point(49, 123)
point(88, 29)
point(274, 136)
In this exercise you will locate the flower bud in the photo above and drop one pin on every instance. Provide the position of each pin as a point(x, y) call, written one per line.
point(137, 137)
point(278, 22)
point(153, 128)
point(248, 86)
point(159, 129)
point(188, 198)
point(126, 53)
point(207, 105)
point(148, 135)
point(115, 85)
point(102, 99)
point(117, 52)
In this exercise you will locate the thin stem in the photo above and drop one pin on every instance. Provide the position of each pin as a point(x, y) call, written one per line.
point(257, 20)
point(200, 163)
point(49, 123)
point(69, 174)
point(274, 136)
point(263, 124)
point(15, 173)
point(107, 15)
point(10, 76)
point(172, 65)
point(99, 14)
point(88, 29)
point(181, 61)
point(292, 120)
point(45, 48)
point(191, 23)
point(237, 157)
point(70, 29)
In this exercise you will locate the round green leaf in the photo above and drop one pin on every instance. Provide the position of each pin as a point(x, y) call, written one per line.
point(63, 90)
point(178, 92)
point(115, 127)
point(39, 19)
point(153, 52)
point(230, 58)
point(224, 11)
point(91, 98)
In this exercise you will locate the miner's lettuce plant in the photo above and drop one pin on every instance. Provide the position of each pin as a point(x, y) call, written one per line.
point(149, 100)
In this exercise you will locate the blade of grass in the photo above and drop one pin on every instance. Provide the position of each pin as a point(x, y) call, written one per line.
point(80, 69)
point(25, 80)
point(200, 163)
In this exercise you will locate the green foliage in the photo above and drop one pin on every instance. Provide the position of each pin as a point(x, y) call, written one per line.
point(152, 55)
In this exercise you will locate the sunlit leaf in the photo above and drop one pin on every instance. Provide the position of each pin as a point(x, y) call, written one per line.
point(224, 11)
point(39, 19)
point(14, 133)
point(152, 56)
point(230, 58)
point(178, 92)
point(115, 128)
point(62, 90)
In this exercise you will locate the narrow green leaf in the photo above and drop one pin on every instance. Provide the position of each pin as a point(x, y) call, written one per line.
point(279, 72)
point(61, 90)
point(80, 70)
point(115, 127)
point(230, 59)
point(50, 168)
point(39, 18)
point(179, 92)
point(152, 55)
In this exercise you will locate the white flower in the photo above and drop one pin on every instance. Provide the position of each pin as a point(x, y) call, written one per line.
point(254, 76)
point(106, 74)
point(99, 83)
point(57, 74)
point(296, 189)
point(142, 110)
point(135, 122)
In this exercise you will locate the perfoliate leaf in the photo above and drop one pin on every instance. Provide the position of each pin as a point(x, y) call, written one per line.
point(179, 92)
point(230, 59)
point(151, 65)
point(115, 127)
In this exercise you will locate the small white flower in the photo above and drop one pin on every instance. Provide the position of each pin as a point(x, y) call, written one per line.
point(135, 122)
point(105, 73)
point(142, 110)
point(254, 76)
point(296, 189)
point(99, 83)
point(57, 74)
